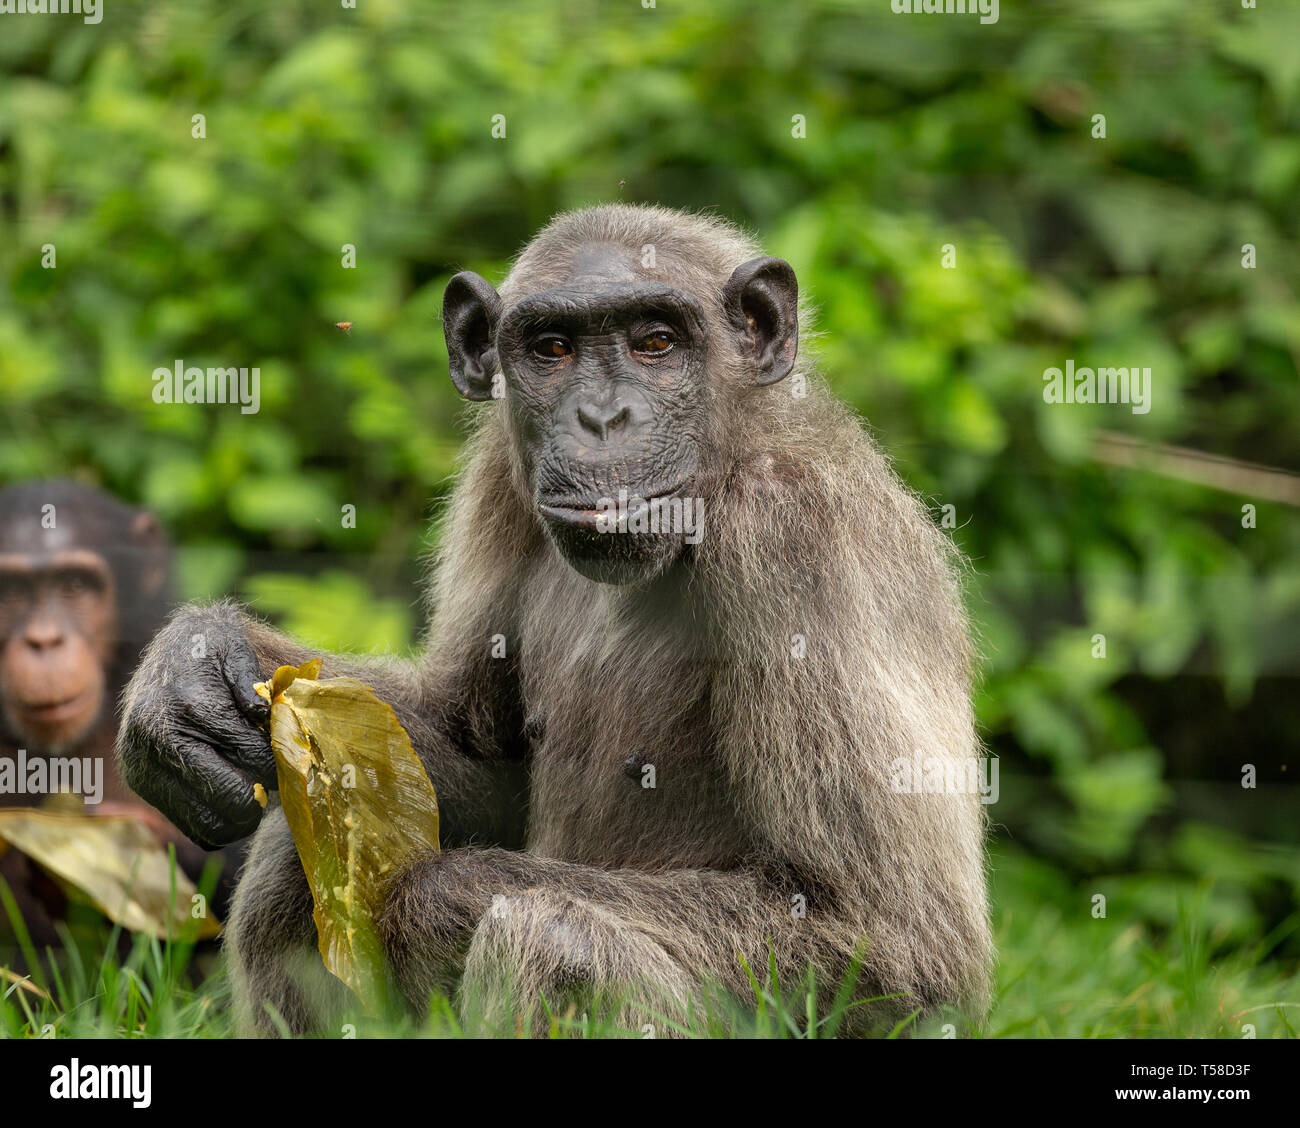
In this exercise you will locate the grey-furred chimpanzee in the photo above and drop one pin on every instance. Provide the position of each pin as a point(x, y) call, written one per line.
point(85, 581)
point(764, 674)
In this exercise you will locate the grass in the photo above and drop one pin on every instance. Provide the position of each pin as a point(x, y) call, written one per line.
point(1062, 973)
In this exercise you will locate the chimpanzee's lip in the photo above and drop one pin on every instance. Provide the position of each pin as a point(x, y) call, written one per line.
point(584, 515)
point(583, 518)
point(51, 712)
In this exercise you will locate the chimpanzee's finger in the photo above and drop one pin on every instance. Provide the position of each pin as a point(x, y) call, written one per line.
point(239, 667)
point(203, 710)
point(228, 736)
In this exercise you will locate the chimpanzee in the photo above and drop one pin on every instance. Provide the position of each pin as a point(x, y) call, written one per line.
point(84, 583)
point(663, 755)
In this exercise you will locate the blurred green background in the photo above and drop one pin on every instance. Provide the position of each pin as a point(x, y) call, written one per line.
point(1120, 775)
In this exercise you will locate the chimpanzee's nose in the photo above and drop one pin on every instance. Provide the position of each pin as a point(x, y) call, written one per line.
point(600, 419)
point(43, 632)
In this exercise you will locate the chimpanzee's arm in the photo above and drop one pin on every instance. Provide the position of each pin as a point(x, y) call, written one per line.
point(193, 740)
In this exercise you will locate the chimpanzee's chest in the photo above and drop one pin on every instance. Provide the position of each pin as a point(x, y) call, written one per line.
point(625, 769)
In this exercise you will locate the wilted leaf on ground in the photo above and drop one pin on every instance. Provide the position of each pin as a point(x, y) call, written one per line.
point(359, 805)
point(116, 861)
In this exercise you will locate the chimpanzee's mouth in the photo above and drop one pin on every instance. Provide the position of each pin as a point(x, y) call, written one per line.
point(605, 514)
point(54, 712)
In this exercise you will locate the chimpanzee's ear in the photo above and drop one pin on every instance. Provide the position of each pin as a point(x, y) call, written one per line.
point(761, 300)
point(471, 310)
point(154, 554)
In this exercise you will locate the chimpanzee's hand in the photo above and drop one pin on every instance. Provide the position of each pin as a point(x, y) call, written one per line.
point(193, 739)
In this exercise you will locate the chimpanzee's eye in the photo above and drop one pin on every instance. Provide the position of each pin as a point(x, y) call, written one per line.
point(660, 341)
point(16, 595)
point(15, 589)
point(75, 583)
point(552, 348)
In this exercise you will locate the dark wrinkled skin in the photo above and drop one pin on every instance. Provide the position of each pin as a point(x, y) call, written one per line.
point(170, 739)
point(609, 417)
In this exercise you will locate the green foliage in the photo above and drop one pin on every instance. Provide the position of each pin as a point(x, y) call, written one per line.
point(1063, 973)
point(334, 611)
point(372, 127)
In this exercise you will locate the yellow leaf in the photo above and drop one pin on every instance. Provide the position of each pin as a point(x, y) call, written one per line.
point(359, 806)
point(116, 861)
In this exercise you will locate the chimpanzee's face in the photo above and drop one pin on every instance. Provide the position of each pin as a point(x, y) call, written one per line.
point(607, 378)
point(606, 381)
point(57, 635)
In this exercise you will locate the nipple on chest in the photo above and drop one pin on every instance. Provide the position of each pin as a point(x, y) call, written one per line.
point(534, 730)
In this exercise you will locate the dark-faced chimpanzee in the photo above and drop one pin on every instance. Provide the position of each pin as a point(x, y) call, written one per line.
point(85, 581)
point(657, 751)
